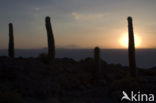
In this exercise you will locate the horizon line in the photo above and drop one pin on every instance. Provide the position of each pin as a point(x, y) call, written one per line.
point(75, 48)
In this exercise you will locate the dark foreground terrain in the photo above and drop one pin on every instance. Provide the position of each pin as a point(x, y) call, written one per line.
point(35, 80)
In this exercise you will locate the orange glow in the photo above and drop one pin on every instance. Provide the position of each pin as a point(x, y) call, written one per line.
point(124, 41)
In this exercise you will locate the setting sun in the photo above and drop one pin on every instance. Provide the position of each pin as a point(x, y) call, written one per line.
point(124, 41)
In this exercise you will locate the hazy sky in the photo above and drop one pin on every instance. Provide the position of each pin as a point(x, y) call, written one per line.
point(77, 23)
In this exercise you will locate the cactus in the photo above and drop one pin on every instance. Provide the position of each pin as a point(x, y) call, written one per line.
point(131, 48)
point(97, 58)
point(51, 43)
point(11, 41)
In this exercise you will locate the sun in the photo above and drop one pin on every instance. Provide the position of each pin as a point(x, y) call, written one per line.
point(124, 41)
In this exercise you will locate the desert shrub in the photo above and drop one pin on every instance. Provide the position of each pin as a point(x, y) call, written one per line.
point(52, 100)
point(11, 97)
point(148, 72)
point(78, 101)
point(8, 73)
point(20, 58)
point(127, 84)
point(43, 57)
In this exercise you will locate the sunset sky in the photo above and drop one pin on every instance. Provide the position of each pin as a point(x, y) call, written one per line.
point(78, 23)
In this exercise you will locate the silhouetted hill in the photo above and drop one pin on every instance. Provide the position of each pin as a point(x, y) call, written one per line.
point(36, 80)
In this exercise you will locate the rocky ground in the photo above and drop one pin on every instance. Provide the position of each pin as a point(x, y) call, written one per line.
point(35, 80)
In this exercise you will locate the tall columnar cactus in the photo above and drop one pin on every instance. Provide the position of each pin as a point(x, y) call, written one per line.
point(131, 49)
point(97, 58)
point(11, 41)
point(51, 43)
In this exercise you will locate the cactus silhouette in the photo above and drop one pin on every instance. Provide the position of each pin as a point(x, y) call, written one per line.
point(97, 58)
point(51, 43)
point(131, 48)
point(11, 41)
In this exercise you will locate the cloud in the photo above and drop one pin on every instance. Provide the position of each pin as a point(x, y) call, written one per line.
point(37, 9)
point(90, 16)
